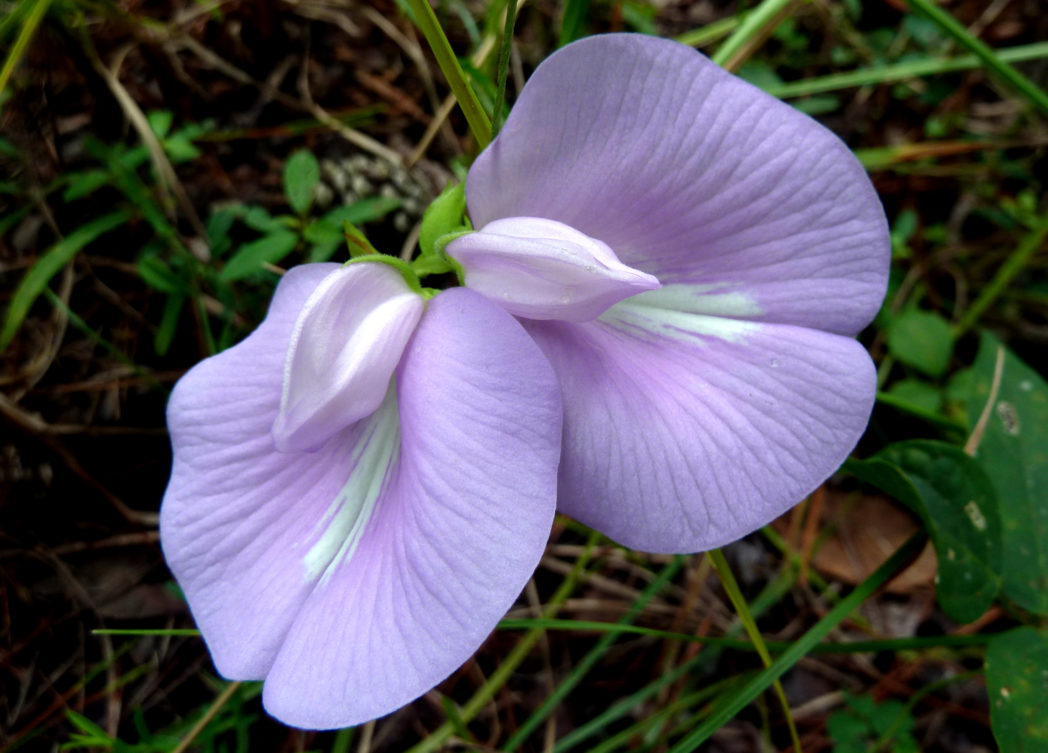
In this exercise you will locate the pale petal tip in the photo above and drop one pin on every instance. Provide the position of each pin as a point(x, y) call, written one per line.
point(537, 268)
point(344, 348)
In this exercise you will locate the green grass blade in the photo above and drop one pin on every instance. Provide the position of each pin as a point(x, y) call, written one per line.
point(734, 703)
point(752, 26)
point(1014, 264)
point(712, 32)
point(735, 644)
point(575, 12)
point(624, 706)
point(25, 35)
point(502, 72)
point(452, 70)
point(33, 284)
point(590, 659)
point(990, 59)
point(901, 71)
point(177, 632)
point(436, 739)
point(731, 587)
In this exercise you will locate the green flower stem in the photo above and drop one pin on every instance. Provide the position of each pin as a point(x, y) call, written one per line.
point(760, 19)
point(449, 65)
point(731, 587)
point(1012, 266)
point(734, 703)
point(901, 71)
point(508, 666)
point(398, 264)
point(990, 59)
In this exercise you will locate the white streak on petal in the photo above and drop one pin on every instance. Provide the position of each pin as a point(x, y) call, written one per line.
point(683, 312)
point(344, 521)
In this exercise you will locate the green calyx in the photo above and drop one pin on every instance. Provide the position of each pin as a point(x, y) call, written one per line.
point(401, 266)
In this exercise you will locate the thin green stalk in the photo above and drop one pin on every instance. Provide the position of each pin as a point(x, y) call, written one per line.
point(731, 587)
point(590, 659)
point(449, 65)
point(191, 632)
point(712, 32)
point(571, 21)
point(1012, 266)
point(990, 59)
point(209, 715)
point(751, 26)
point(436, 739)
point(624, 706)
point(735, 702)
point(25, 35)
point(901, 71)
point(851, 647)
point(503, 69)
point(622, 739)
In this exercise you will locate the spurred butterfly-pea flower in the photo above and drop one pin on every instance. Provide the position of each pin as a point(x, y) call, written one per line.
point(655, 336)
point(698, 411)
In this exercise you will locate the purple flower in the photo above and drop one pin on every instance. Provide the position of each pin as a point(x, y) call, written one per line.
point(700, 411)
point(363, 486)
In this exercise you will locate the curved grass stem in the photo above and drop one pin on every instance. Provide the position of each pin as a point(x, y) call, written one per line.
point(731, 587)
point(430, 27)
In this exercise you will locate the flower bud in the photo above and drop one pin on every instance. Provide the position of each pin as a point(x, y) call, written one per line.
point(543, 269)
point(344, 347)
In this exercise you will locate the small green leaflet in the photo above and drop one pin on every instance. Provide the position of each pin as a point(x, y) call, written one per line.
point(301, 177)
point(922, 340)
point(250, 257)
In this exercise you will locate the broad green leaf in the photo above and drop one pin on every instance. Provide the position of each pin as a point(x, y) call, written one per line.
point(442, 216)
point(301, 176)
point(922, 340)
point(33, 284)
point(1014, 453)
point(1017, 685)
point(250, 257)
point(956, 501)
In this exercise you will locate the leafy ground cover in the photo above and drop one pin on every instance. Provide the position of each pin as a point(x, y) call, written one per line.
point(162, 164)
